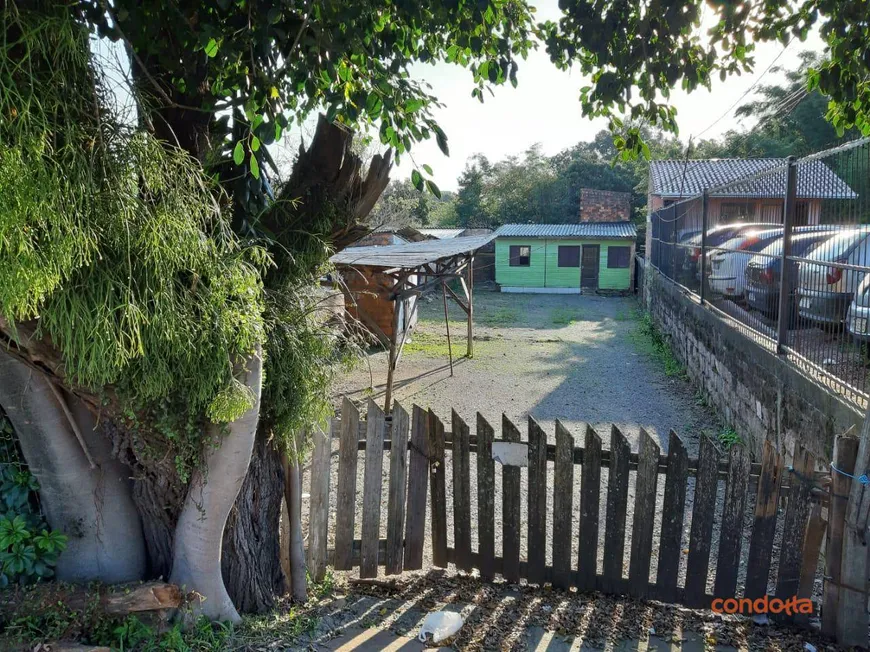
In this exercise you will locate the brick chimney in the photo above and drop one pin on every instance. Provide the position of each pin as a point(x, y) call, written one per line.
point(604, 205)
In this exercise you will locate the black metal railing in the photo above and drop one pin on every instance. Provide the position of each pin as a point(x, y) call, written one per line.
point(784, 253)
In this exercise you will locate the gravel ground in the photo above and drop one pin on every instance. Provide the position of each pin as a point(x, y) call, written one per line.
point(575, 358)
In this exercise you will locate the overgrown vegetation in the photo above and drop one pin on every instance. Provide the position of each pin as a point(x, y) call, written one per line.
point(28, 546)
point(729, 437)
point(650, 341)
point(565, 316)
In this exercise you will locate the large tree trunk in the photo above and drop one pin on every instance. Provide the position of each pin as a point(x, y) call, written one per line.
point(213, 490)
point(252, 548)
point(84, 493)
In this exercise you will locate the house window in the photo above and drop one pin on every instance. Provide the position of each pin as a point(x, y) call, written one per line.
point(733, 211)
point(569, 256)
point(802, 213)
point(618, 256)
point(520, 256)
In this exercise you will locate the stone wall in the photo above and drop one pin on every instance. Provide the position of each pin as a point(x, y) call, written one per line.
point(762, 396)
point(604, 206)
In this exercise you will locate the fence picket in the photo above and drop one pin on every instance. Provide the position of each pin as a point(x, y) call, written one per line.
point(437, 476)
point(397, 490)
point(461, 493)
point(537, 533)
point(764, 526)
point(563, 506)
point(796, 514)
point(644, 511)
point(372, 483)
point(673, 507)
point(841, 485)
point(318, 527)
point(485, 499)
point(617, 502)
point(418, 480)
point(510, 486)
point(813, 536)
point(590, 491)
point(731, 532)
point(706, 485)
point(345, 510)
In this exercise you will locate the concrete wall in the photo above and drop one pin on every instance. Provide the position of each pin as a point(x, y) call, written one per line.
point(544, 270)
point(761, 395)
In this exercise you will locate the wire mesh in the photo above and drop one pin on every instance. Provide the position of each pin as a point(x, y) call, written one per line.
point(783, 254)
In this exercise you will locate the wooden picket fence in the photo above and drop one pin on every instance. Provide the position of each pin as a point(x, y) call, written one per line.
point(418, 446)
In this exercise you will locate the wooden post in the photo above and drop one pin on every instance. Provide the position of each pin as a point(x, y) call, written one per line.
point(391, 365)
point(470, 350)
point(319, 521)
point(852, 612)
point(447, 324)
point(841, 484)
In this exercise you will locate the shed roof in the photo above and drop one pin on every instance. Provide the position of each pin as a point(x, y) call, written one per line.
point(411, 255)
point(680, 178)
point(596, 230)
point(441, 234)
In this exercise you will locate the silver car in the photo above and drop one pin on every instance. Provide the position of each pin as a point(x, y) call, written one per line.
point(858, 318)
point(828, 282)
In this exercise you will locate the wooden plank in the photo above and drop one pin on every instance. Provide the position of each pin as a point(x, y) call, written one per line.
point(841, 485)
point(617, 502)
point(703, 510)
point(854, 571)
point(731, 533)
point(510, 487)
point(372, 481)
point(485, 498)
point(345, 504)
point(764, 525)
point(644, 515)
point(673, 508)
point(418, 480)
point(461, 493)
point(437, 477)
point(318, 525)
point(794, 526)
point(590, 492)
point(813, 535)
point(397, 490)
point(563, 507)
point(537, 527)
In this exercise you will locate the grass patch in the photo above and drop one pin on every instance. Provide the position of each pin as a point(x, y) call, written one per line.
point(623, 315)
point(565, 316)
point(433, 346)
point(650, 341)
point(500, 317)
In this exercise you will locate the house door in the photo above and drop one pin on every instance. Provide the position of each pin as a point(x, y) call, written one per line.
point(589, 267)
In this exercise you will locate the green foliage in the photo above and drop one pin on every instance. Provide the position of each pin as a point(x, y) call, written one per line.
point(112, 239)
point(565, 316)
point(649, 340)
point(728, 437)
point(28, 548)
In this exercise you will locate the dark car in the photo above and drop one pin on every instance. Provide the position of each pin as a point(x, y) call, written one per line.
point(763, 271)
point(690, 267)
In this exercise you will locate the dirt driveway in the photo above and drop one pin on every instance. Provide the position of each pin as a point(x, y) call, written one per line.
point(574, 358)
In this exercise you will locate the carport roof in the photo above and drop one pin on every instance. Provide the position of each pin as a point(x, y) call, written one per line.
point(588, 230)
point(411, 255)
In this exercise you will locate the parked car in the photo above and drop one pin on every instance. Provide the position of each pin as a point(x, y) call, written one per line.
point(826, 286)
point(763, 271)
point(728, 262)
point(858, 319)
point(690, 263)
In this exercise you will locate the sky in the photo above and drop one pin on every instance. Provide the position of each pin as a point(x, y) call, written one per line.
point(545, 107)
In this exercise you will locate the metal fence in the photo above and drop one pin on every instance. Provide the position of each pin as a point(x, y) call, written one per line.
point(784, 253)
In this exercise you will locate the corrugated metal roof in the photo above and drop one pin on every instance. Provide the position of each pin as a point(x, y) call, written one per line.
point(598, 230)
point(441, 234)
point(411, 255)
point(744, 177)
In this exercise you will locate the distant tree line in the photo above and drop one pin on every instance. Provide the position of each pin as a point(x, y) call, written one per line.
point(533, 187)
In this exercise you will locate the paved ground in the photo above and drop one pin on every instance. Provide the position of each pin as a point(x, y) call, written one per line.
point(567, 357)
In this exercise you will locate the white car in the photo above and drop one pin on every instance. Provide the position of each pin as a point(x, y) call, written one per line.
point(729, 260)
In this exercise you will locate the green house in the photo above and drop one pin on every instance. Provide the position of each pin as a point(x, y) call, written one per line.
point(565, 258)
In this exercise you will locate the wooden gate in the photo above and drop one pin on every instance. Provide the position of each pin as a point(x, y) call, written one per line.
point(419, 448)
